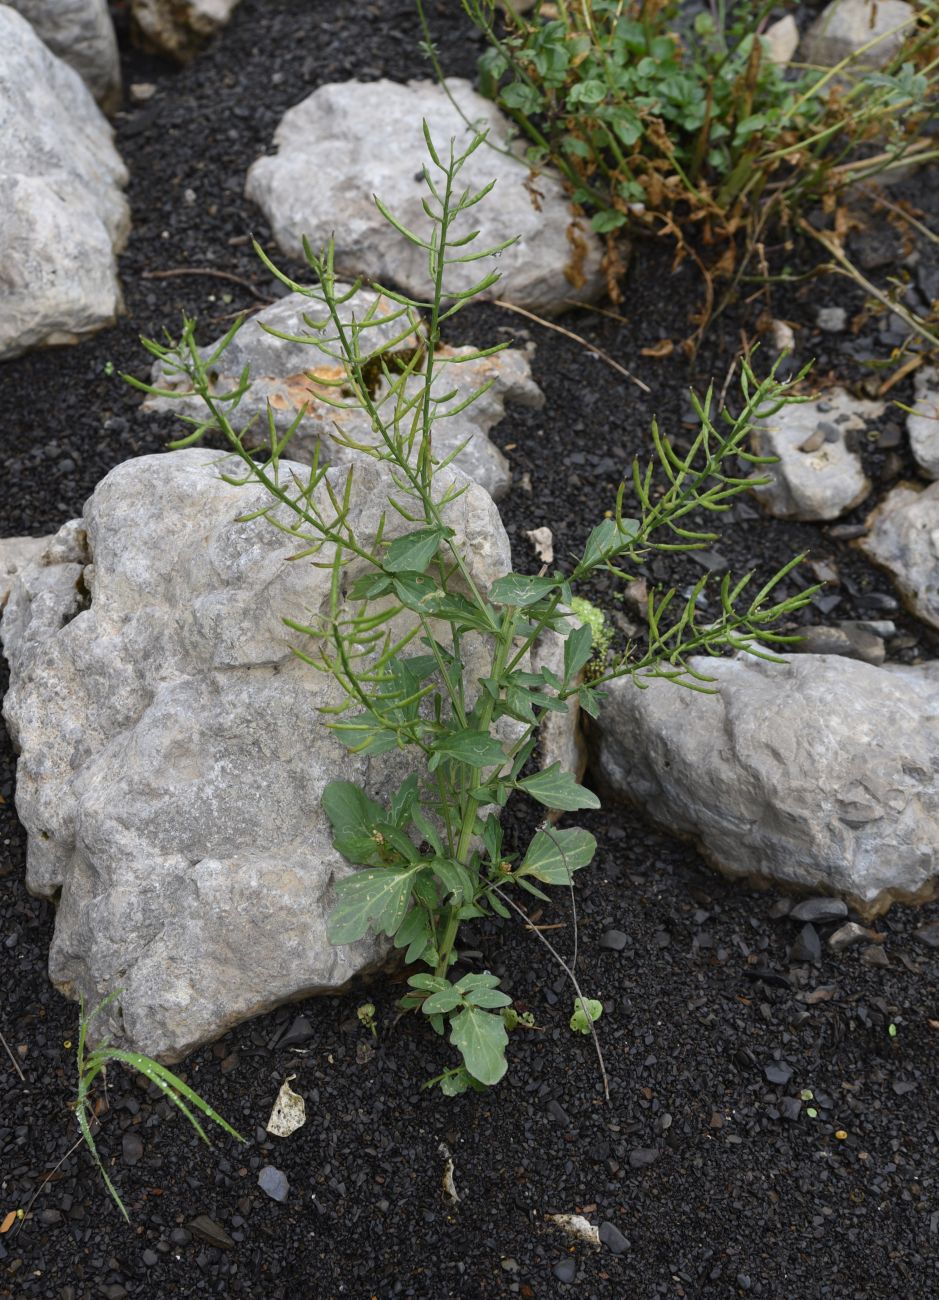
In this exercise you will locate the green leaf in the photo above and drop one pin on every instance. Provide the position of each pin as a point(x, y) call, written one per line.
point(413, 552)
point(413, 589)
point(578, 647)
point(589, 700)
point(174, 1088)
point(601, 542)
point(604, 222)
point(488, 998)
point(442, 1002)
point(590, 91)
point(525, 98)
point(376, 897)
point(452, 1085)
point(415, 928)
point(370, 586)
point(402, 801)
point(481, 1039)
point(353, 816)
point(430, 983)
point(455, 879)
point(557, 789)
point(554, 855)
point(585, 1011)
point(477, 980)
point(476, 748)
point(521, 589)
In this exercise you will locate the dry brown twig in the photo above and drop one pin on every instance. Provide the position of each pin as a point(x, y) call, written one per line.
point(569, 334)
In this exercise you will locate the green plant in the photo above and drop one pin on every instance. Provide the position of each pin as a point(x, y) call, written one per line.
point(395, 636)
point(665, 123)
point(601, 634)
point(93, 1063)
point(366, 1015)
point(586, 1011)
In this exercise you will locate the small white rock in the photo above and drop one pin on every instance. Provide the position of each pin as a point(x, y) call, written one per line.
point(831, 319)
point(575, 1225)
point(783, 336)
point(542, 540)
point(289, 1111)
point(782, 39)
point(922, 424)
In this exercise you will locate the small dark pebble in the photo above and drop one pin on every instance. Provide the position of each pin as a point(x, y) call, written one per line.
point(614, 940)
point(928, 934)
point(790, 1107)
point(641, 1157)
point(558, 1113)
point(131, 1148)
point(565, 1270)
point(875, 955)
point(211, 1232)
point(613, 1239)
point(301, 1031)
point(808, 946)
point(819, 910)
point(778, 1072)
point(149, 1258)
point(768, 976)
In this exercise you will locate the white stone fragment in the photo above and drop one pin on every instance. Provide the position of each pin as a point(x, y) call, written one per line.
point(289, 1111)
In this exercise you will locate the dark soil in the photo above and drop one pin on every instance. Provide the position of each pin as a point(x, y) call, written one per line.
point(707, 1161)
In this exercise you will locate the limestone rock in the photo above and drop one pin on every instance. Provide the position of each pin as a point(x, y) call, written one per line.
point(846, 26)
point(16, 554)
point(923, 425)
point(347, 142)
point(904, 539)
point(285, 375)
point(819, 474)
point(782, 39)
point(172, 750)
point(820, 773)
point(81, 33)
point(179, 27)
point(63, 215)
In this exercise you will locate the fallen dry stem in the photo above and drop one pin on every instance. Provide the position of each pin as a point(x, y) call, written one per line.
point(591, 347)
point(204, 270)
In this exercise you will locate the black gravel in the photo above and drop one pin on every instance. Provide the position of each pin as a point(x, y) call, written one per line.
point(773, 1128)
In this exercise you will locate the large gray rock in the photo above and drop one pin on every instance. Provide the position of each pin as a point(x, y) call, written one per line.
point(63, 215)
point(345, 143)
point(819, 474)
point(284, 375)
point(81, 33)
point(904, 539)
point(172, 750)
point(846, 26)
point(820, 773)
point(922, 424)
point(179, 27)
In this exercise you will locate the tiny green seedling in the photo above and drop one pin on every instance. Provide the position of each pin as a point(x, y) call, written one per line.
point(366, 1014)
point(892, 1030)
point(93, 1063)
point(586, 1011)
